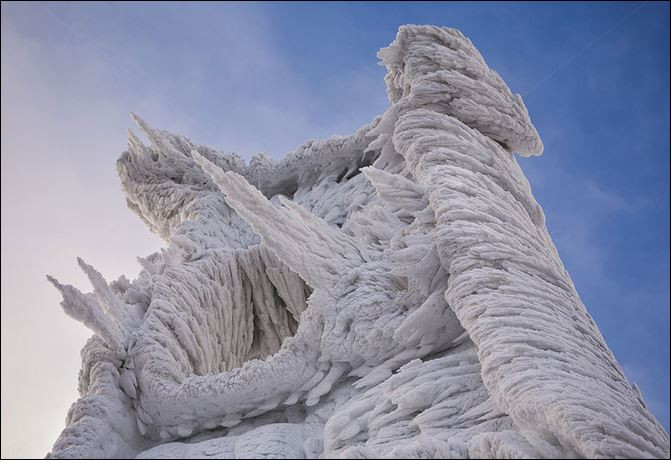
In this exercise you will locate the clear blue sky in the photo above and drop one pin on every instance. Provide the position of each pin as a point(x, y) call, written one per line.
point(266, 77)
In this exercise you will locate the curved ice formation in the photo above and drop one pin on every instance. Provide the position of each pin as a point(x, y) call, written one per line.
point(304, 310)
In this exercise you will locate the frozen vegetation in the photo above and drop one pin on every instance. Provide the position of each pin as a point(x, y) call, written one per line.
point(393, 293)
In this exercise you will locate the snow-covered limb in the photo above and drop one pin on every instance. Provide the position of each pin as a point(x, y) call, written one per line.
point(304, 310)
point(326, 253)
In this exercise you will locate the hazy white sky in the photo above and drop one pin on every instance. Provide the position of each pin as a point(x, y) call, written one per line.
point(63, 126)
point(260, 77)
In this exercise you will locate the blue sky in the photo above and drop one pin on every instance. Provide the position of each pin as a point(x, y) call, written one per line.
point(265, 77)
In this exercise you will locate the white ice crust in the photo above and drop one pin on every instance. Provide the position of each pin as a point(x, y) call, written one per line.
point(394, 293)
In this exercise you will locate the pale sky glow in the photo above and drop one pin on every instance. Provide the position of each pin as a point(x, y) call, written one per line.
point(265, 77)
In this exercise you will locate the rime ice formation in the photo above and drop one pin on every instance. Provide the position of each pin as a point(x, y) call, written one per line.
point(304, 310)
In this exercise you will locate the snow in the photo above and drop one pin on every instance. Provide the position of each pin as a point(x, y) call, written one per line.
point(393, 293)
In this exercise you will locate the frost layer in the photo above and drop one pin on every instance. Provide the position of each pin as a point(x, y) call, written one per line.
point(394, 293)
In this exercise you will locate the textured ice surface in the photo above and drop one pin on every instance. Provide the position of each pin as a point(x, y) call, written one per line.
point(394, 293)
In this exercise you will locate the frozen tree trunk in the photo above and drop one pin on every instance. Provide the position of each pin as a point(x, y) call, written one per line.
point(304, 310)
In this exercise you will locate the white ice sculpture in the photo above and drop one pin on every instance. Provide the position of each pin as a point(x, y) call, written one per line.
point(304, 310)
